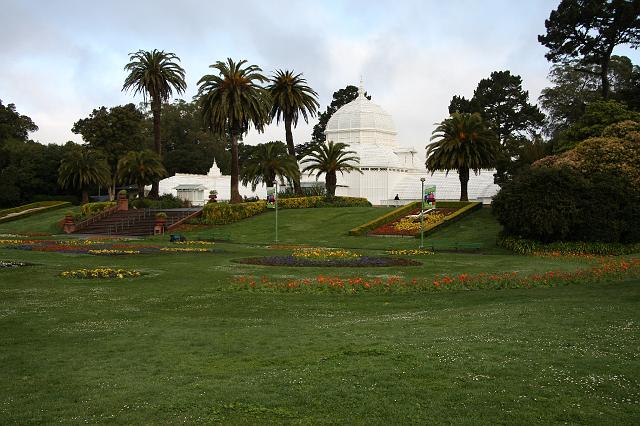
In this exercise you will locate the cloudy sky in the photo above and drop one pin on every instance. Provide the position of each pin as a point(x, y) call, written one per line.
point(63, 58)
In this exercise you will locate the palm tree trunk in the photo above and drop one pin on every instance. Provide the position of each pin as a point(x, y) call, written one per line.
point(292, 152)
point(235, 170)
point(155, 108)
point(331, 184)
point(464, 180)
point(141, 191)
point(85, 196)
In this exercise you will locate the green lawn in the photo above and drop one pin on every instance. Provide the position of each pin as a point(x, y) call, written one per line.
point(178, 345)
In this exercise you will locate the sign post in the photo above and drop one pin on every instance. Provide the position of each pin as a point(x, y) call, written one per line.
point(272, 202)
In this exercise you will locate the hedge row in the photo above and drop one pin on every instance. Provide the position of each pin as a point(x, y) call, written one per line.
point(464, 208)
point(223, 213)
point(42, 206)
point(525, 246)
point(320, 201)
point(392, 215)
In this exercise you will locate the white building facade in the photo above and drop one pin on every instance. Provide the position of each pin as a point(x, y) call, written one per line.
point(388, 168)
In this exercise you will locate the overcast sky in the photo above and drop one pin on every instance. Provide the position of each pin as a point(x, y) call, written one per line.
point(61, 59)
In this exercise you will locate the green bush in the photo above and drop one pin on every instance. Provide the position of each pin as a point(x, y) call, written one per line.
point(550, 204)
point(166, 201)
point(91, 209)
point(525, 246)
point(223, 213)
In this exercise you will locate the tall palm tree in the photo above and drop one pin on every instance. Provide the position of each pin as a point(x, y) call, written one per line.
point(268, 161)
point(81, 168)
point(231, 103)
point(462, 142)
point(330, 158)
point(155, 74)
point(292, 98)
point(140, 168)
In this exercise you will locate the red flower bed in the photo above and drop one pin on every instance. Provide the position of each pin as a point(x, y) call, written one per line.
point(389, 228)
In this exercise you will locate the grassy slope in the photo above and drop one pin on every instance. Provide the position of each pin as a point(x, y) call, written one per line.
point(173, 347)
point(45, 222)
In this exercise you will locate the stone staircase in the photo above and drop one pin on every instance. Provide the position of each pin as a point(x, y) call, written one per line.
point(138, 222)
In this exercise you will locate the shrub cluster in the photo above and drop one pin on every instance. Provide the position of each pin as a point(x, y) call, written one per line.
point(166, 201)
point(223, 213)
point(566, 248)
point(91, 209)
point(555, 204)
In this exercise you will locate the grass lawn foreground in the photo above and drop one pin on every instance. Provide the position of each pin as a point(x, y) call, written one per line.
point(179, 344)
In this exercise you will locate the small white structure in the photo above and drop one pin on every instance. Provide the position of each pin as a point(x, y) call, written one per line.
point(195, 188)
point(388, 168)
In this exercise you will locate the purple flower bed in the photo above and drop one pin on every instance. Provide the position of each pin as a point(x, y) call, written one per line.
point(360, 262)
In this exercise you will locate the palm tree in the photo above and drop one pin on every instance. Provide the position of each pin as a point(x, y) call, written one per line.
point(155, 74)
point(292, 98)
point(329, 158)
point(81, 168)
point(231, 102)
point(268, 161)
point(462, 142)
point(140, 168)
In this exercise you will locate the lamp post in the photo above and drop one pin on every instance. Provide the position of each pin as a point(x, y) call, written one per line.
point(422, 212)
point(275, 184)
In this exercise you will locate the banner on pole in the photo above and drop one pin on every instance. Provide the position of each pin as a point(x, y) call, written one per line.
point(430, 196)
point(271, 197)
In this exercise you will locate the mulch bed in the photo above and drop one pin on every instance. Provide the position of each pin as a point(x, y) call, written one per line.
point(388, 229)
point(361, 262)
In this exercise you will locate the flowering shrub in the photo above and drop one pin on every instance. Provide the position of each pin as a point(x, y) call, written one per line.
point(90, 209)
point(100, 273)
point(222, 213)
point(604, 269)
point(409, 252)
point(112, 252)
point(324, 253)
point(319, 201)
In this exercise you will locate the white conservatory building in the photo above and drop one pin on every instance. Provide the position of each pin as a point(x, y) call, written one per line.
point(388, 168)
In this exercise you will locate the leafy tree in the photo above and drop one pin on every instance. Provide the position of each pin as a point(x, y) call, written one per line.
point(155, 74)
point(114, 131)
point(329, 158)
point(292, 98)
point(268, 161)
point(565, 102)
point(189, 147)
point(462, 142)
point(340, 99)
point(462, 105)
point(140, 168)
point(597, 116)
point(82, 168)
point(589, 30)
point(14, 125)
point(231, 103)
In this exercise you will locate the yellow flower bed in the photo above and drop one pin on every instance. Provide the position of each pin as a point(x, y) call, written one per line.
point(324, 253)
point(199, 243)
point(411, 226)
point(111, 252)
point(414, 252)
point(100, 273)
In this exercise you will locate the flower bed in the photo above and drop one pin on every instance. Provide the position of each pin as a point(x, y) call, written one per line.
point(102, 248)
point(408, 227)
point(112, 252)
point(7, 264)
point(100, 273)
point(410, 252)
point(603, 269)
point(324, 253)
point(357, 262)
